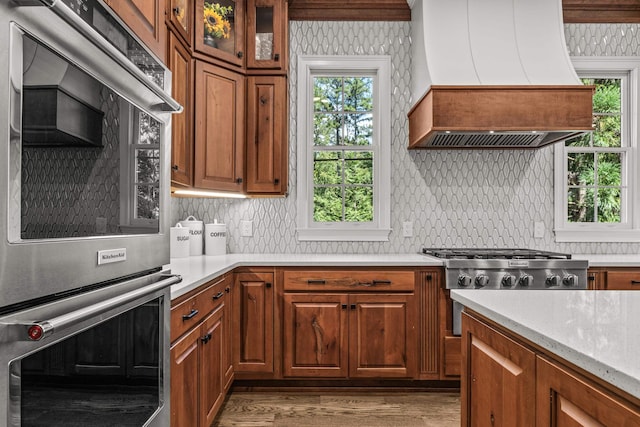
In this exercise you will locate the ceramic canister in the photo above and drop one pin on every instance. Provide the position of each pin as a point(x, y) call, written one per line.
point(215, 239)
point(196, 229)
point(179, 246)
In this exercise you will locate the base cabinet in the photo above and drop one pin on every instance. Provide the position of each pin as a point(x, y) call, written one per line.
point(507, 383)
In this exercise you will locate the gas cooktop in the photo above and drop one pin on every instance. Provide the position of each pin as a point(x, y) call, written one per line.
point(492, 253)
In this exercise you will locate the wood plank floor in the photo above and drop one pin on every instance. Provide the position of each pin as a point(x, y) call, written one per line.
point(267, 409)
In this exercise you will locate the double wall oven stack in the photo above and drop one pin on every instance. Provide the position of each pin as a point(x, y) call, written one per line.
point(507, 269)
point(85, 125)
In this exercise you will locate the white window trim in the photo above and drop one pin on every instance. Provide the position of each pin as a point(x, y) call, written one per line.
point(630, 230)
point(381, 227)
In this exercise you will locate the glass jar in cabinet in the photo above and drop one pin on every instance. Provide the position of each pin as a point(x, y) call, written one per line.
point(219, 30)
point(267, 34)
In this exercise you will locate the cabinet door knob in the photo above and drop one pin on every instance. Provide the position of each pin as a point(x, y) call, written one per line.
point(276, 181)
point(276, 57)
point(175, 167)
point(263, 100)
point(238, 180)
point(205, 339)
point(268, 285)
point(344, 306)
point(239, 54)
point(227, 289)
point(353, 306)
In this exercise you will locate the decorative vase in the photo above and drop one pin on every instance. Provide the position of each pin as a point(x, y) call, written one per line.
point(210, 41)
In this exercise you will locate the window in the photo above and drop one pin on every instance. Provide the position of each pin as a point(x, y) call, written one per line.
point(344, 132)
point(595, 174)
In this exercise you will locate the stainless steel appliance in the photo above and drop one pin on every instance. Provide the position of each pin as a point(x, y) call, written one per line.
point(85, 143)
point(507, 269)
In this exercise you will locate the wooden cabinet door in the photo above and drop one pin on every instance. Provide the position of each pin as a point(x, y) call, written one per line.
point(146, 20)
point(627, 280)
point(430, 325)
point(211, 366)
point(498, 378)
point(267, 134)
point(267, 34)
point(566, 399)
point(181, 66)
point(253, 306)
point(228, 345)
point(383, 335)
point(180, 15)
point(185, 379)
point(219, 128)
point(316, 341)
point(227, 40)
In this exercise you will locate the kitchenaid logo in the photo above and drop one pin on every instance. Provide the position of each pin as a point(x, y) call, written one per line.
point(112, 255)
point(218, 234)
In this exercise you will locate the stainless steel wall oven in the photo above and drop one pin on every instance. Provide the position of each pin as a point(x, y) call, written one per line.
point(85, 125)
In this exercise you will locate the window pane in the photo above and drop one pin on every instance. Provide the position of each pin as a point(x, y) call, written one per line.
point(358, 94)
point(147, 166)
point(327, 94)
point(580, 169)
point(607, 96)
point(149, 130)
point(327, 129)
point(609, 205)
point(358, 167)
point(327, 167)
point(147, 202)
point(583, 140)
point(358, 129)
point(327, 204)
point(358, 204)
point(606, 131)
point(580, 203)
point(609, 169)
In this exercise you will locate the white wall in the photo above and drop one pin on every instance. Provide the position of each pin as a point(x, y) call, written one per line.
point(455, 198)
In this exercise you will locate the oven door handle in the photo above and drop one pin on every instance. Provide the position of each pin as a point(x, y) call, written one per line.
point(42, 329)
point(168, 104)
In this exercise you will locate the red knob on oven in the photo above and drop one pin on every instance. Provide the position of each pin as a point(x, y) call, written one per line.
point(35, 332)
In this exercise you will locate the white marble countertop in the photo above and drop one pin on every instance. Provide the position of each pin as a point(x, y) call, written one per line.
point(595, 260)
point(197, 270)
point(595, 330)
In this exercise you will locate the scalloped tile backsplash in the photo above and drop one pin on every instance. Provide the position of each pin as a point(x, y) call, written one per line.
point(468, 198)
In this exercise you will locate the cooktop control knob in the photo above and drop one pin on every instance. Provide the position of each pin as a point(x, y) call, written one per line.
point(508, 280)
point(464, 281)
point(552, 280)
point(525, 280)
point(481, 281)
point(570, 280)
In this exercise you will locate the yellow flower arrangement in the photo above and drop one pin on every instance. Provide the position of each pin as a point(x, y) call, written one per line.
point(215, 22)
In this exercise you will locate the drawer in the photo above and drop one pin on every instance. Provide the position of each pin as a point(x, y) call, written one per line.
point(190, 312)
point(349, 280)
point(623, 280)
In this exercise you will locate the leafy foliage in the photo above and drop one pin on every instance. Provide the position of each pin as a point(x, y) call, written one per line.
point(595, 176)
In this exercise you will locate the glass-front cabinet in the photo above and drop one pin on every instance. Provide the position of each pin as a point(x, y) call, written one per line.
point(266, 34)
point(219, 29)
point(181, 15)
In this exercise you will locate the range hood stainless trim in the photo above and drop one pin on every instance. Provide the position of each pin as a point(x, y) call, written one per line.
point(493, 74)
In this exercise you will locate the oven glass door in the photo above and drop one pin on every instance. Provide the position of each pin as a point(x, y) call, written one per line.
point(87, 160)
point(108, 375)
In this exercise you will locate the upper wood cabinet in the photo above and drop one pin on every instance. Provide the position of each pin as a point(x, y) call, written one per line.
point(146, 20)
point(180, 15)
point(220, 30)
point(267, 34)
point(181, 66)
point(219, 128)
point(267, 130)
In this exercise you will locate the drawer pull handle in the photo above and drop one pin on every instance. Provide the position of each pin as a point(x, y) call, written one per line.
point(205, 339)
point(353, 306)
point(316, 282)
point(218, 295)
point(190, 315)
point(635, 282)
point(375, 283)
point(344, 306)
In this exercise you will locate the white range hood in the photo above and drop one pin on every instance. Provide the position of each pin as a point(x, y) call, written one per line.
point(493, 73)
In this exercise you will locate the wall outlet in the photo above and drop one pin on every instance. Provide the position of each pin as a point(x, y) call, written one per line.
point(407, 229)
point(246, 228)
point(538, 230)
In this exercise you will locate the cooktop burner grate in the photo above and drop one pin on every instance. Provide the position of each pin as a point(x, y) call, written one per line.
point(491, 253)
